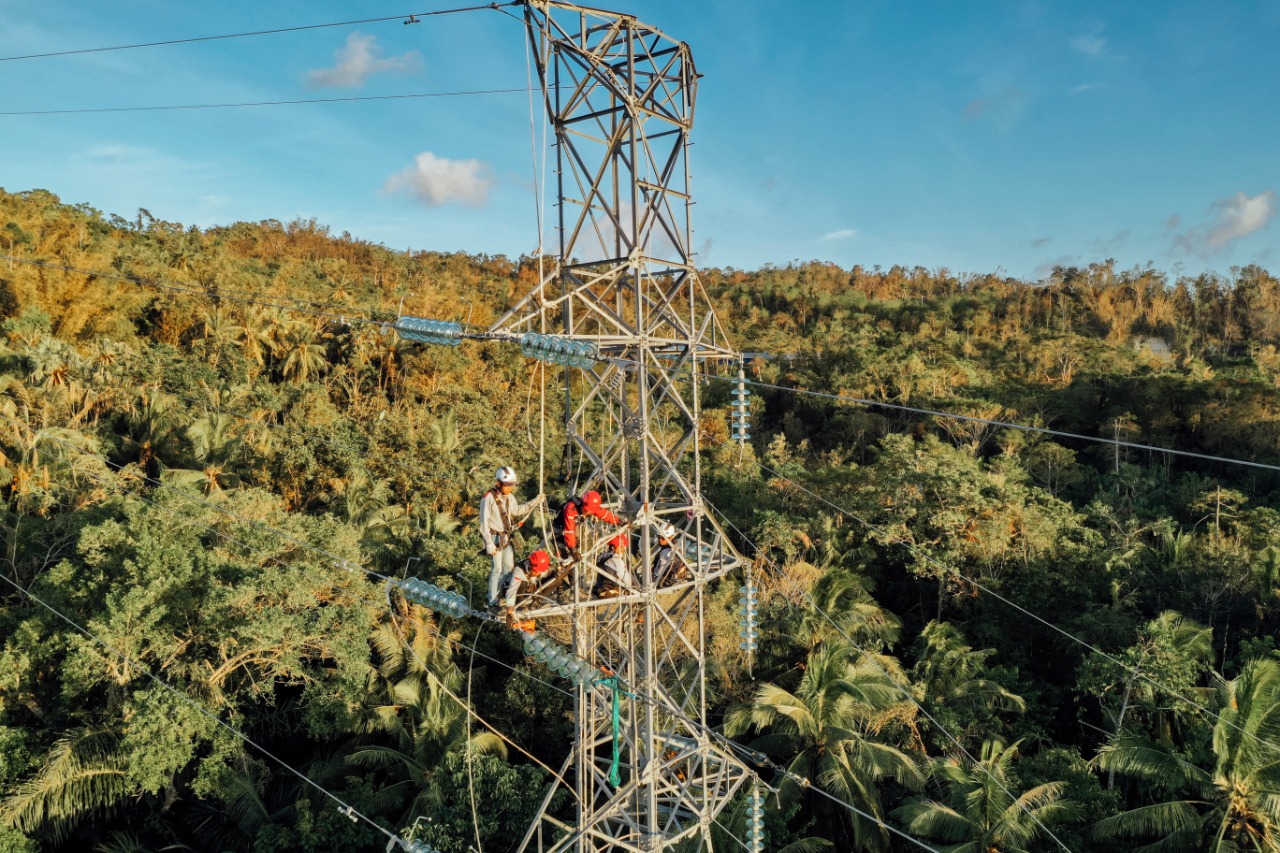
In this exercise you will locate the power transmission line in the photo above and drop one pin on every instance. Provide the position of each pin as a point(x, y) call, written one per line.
point(1136, 672)
point(841, 398)
point(339, 562)
point(901, 688)
point(84, 110)
point(1003, 424)
point(409, 18)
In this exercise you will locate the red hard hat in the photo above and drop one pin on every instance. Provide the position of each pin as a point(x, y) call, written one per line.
point(539, 561)
point(591, 499)
point(620, 541)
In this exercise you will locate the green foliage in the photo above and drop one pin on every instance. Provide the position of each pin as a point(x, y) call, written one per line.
point(151, 442)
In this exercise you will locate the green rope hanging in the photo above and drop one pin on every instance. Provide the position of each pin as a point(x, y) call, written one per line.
point(615, 776)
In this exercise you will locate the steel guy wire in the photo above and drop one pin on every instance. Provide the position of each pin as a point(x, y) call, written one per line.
point(1138, 673)
point(408, 18)
point(350, 99)
point(344, 807)
point(901, 688)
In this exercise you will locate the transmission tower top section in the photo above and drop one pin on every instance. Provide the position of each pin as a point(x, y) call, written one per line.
point(620, 96)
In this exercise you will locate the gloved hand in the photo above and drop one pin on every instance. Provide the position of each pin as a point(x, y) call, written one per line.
point(575, 555)
point(509, 617)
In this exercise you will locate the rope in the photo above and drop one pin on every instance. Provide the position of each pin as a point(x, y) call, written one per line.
point(615, 776)
point(471, 782)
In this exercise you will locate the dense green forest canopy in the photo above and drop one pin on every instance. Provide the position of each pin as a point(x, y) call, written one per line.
point(198, 430)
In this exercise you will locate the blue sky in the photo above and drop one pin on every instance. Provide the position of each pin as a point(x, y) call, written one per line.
point(977, 136)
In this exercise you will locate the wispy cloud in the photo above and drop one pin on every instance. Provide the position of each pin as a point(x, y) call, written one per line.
point(1230, 219)
point(1040, 242)
point(436, 180)
point(839, 234)
point(1086, 87)
point(1107, 246)
point(358, 60)
point(1091, 45)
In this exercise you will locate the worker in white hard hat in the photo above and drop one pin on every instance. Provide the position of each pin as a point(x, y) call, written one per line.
point(668, 567)
point(500, 515)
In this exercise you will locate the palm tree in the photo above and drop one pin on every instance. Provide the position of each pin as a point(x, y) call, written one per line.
point(84, 773)
point(412, 693)
point(841, 604)
point(823, 731)
point(980, 813)
point(304, 359)
point(1233, 807)
point(948, 679)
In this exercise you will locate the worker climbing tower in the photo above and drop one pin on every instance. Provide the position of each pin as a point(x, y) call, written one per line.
point(621, 308)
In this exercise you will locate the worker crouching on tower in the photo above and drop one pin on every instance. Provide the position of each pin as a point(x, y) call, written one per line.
point(565, 528)
point(669, 568)
point(614, 576)
point(523, 577)
point(500, 515)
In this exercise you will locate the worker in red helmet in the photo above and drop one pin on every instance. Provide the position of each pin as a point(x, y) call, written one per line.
point(566, 522)
point(614, 576)
point(524, 577)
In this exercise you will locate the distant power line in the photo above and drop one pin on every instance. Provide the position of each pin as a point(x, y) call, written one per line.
point(409, 18)
point(79, 110)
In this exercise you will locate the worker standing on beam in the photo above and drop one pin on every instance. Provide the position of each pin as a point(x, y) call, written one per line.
point(500, 515)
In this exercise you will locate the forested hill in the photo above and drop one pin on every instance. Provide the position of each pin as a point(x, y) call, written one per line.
point(199, 429)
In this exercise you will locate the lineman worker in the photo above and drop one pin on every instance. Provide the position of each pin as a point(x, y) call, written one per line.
point(523, 577)
point(566, 522)
point(499, 514)
point(565, 529)
point(668, 567)
point(615, 576)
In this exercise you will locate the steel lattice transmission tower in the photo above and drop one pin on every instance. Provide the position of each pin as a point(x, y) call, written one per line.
point(620, 97)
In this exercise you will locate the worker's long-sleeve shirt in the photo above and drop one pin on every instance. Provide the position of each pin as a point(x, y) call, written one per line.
point(521, 573)
point(498, 516)
point(567, 523)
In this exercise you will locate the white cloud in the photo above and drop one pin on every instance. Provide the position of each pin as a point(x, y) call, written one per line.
point(1237, 216)
point(841, 234)
point(1085, 87)
point(357, 61)
point(435, 181)
point(119, 152)
point(1089, 45)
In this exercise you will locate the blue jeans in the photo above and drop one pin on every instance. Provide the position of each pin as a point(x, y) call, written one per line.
point(504, 561)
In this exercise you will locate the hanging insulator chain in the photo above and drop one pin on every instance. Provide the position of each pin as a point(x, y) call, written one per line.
point(559, 659)
point(748, 602)
point(741, 410)
point(434, 598)
point(755, 819)
point(441, 332)
point(558, 350)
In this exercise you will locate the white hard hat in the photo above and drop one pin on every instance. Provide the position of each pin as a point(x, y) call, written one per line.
point(666, 530)
point(506, 475)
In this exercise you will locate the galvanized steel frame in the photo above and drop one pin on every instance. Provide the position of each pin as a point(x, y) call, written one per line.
point(620, 96)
